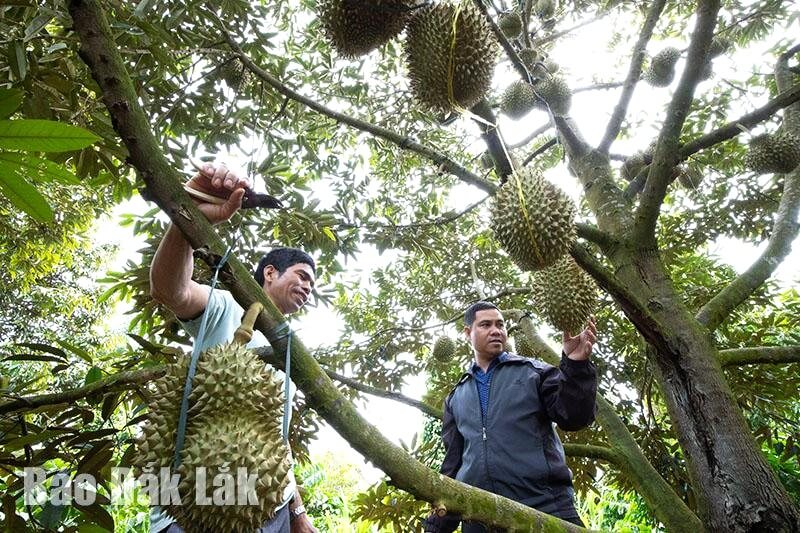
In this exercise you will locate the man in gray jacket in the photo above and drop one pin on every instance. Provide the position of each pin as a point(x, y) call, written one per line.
point(498, 420)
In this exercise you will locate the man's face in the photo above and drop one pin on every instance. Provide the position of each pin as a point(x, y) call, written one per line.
point(487, 333)
point(289, 291)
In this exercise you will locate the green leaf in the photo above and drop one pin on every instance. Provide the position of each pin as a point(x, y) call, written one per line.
point(141, 8)
point(41, 168)
point(33, 357)
point(10, 99)
point(17, 59)
point(23, 195)
point(51, 515)
point(35, 135)
point(80, 352)
point(33, 438)
point(93, 375)
point(98, 515)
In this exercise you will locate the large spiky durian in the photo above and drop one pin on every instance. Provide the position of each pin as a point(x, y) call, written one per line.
point(524, 345)
point(233, 421)
point(778, 153)
point(447, 73)
point(518, 99)
point(510, 24)
point(555, 91)
point(530, 57)
point(444, 349)
point(533, 220)
point(564, 295)
point(661, 71)
point(356, 27)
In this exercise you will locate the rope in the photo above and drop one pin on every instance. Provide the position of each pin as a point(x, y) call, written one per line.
point(187, 387)
point(287, 406)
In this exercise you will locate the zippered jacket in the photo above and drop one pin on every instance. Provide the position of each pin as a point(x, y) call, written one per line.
point(514, 450)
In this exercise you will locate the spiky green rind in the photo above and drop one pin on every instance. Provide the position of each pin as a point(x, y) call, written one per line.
point(632, 166)
point(556, 93)
point(510, 24)
point(235, 409)
point(719, 45)
point(524, 345)
point(564, 295)
point(529, 57)
point(518, 99)
point(661, 71)
point(533, 220)
point(545, 9)
point(356, 27)
point(430, 50)
point(444, 349)
point(778, 153)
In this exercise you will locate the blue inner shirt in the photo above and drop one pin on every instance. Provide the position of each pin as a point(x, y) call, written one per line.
point(483, 380)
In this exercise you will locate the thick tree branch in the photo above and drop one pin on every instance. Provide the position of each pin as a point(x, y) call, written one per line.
point(776, 355)
point(493, 139)
point(784, 231)
point(784, 76)
point(99, 52)
point(592, 451)
point(634, 71)
point(594, 234)
point(666, 154)
point(441, 160)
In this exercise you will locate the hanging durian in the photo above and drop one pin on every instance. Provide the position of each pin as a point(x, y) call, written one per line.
point(529, 57)
point(510, 24)
point(689, 177)
point(564, 295)
point(556, 93)
point(545, 9)
point(448, 73)
point(356, 27)
point(444, 349)
point(235, 408)
point(719, 45)
point(778, 153)
point(524, 345)
point(661, 71)
point(632, 166)
point(518, 99)
point(533, 220)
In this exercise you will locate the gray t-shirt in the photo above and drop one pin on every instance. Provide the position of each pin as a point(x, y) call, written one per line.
point(224, 317)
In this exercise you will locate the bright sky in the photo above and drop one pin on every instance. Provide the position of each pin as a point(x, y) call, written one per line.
point(585, 57)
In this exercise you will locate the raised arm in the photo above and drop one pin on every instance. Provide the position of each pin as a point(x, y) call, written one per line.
point(171, 270)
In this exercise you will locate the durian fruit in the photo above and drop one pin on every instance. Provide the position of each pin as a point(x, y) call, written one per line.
point(564, 295)
point(556, 93)
point(778, 153)
point(518, 99)
point(444, 349)
point(529, 57)
point(523, 344)
point(233, 73)
point(545, 9)
point(438, 64)
point(487, 161)
point(510, 24)
point(356, 27)
point(719, 45)
point(632, 166)
point(689, 177)
point(533, 220)
point(661, 71)
point(546, 68)
point(234, 416)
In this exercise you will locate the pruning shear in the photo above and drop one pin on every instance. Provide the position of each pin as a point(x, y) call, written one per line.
point(202, 190)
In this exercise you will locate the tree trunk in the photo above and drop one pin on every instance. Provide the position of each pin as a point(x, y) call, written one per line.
point(736, 488)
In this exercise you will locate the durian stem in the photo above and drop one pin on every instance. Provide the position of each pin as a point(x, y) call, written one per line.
point(245, 332)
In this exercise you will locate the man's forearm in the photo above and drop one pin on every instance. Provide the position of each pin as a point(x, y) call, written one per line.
point(172, 267)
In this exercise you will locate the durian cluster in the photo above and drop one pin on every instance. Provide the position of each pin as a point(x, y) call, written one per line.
point(533, 220)
point(564, 295)
point(449, 49)
point(234, 416)
point(444, 349)
point(661, 71)
point(773, 153)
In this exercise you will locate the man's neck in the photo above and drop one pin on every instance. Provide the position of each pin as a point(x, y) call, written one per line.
point(484, 360)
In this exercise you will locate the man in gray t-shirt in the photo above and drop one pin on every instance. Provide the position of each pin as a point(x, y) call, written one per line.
point(287, 277)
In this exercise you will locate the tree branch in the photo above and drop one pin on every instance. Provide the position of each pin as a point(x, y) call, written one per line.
point(493, 139)
point(592, 451)
point(776, 355)
point(732, 129)
point(538, 131)
point(441, 160)
point(99, 52)
point(539, 151)
point(391, 395)
point(594, 234)
point(634, 71)
point(666, 154)
point(519, 66)
point(553, 36)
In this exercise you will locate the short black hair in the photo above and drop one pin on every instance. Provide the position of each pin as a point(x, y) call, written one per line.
point(472, 310)
point(281, 259)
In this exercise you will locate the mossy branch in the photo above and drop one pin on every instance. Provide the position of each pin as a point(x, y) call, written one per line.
point(666, 154)
point(99, 52)
point(634, 71)
point(759, 355)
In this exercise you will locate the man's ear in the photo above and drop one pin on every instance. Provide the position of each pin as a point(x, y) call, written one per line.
point(270, 273)
point(467, 332)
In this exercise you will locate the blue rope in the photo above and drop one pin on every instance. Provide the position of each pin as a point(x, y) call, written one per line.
point(287, 405)
point(187, 387)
